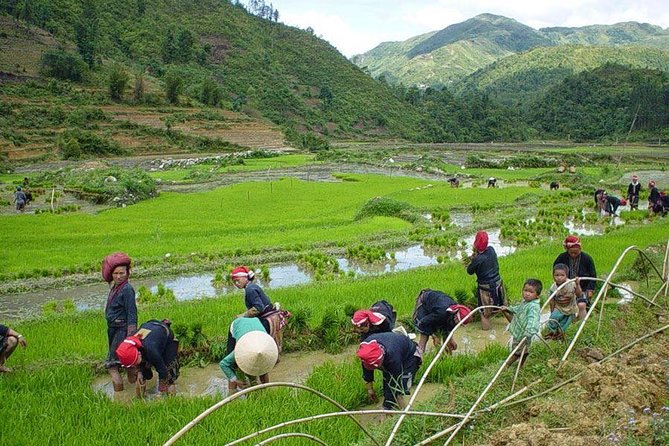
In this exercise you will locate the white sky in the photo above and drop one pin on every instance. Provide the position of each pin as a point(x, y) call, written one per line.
point(356, 26)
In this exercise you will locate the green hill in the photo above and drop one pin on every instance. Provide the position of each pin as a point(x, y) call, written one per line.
point(522, 77)
point(443, 57)
point(259, 67)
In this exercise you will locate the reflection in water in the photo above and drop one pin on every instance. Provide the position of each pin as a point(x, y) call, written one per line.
point(582, 229)
point(493, 240)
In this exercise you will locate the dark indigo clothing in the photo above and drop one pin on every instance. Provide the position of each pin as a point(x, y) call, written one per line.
point(633, 191)
point(582, 266)
point(384, 308)
point(485, 265)
point(654, 195)
point(115, 335)
point(159, 350)
point(121, 308)
point(612, 204)
point(3, 337)
point(255, 297)
point(431, 313)
point(399, 366)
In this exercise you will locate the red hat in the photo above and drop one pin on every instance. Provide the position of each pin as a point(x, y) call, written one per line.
point(572, 241)
point(242, 271)
point(371, 354)
point(461, 312)
point(362, 317)
point(634, 177)
point(127, 352)
point(481, 241)
point(623, 202)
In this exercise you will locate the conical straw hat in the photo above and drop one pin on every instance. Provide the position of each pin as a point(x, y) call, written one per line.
point(256, 353)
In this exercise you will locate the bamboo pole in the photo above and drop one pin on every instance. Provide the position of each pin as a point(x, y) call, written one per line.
point(429, 368)
point(230, 398)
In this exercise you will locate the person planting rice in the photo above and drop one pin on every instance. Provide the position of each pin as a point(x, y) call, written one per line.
point(611, 204)
point(9, 340)
point(490, 290)
point(633, 190)
point(580, 265)
point(563, 303)
point(380, 318)
point(436, 314)
point(397, 357)
point(120, 312)
point(251, 349)
point(20, 199)
point(258, 304)
point(525, 320)
point(152, 346)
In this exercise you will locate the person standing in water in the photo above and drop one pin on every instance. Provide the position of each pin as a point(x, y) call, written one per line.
point(490, 290)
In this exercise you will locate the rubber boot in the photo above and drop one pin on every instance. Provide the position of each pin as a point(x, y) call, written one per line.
point(117, 379)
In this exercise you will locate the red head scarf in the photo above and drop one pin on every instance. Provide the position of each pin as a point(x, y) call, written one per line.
point(481, 241)
point(127, 352)
point(242, 271)
point(371, 354)
point(362, 317)
point(461, 312)
point(572, 241)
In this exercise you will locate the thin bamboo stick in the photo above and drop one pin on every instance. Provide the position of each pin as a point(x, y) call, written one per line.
point(225, 401)
point(292, 434)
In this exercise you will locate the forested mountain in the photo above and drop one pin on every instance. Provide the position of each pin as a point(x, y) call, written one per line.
point(219, 53)
point(443, 57)
point(520, 78)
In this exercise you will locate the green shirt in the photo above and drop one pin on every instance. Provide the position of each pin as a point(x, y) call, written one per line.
point(239, 328)
point(526, 319)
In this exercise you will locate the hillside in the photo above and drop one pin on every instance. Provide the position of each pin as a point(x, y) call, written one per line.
point(274, 74)
point(448, 56)
point(522, 77)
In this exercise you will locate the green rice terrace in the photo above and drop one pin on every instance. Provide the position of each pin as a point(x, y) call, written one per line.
point(328, 233)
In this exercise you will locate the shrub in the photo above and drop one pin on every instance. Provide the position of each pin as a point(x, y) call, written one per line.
point(118, 80)
point(62, 65)
point(88, 144)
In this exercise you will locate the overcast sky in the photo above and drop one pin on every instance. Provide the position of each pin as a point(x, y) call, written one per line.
point(356, 26)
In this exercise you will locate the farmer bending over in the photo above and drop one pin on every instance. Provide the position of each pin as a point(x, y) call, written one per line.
point(380, 318)
point(9, 339)
point(396, 356)
point(152, 346)
point(251, 349)
point(436, 313)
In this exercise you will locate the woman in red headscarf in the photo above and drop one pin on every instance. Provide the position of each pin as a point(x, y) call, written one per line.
point(580, 265)
point(483, 263)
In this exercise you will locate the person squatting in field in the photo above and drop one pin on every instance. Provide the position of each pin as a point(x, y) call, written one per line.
point(525, 320)
point(9, 340)
point(397, 357)
point(611, 204)
point(154, 346)
point(120, 312)
point(633, 191)
point(258, 304)
point(436, 314)
point(380, 318)
point(20, 199)
point(580, 265)
point(563, 303)
point(251, 349)
point(483, 263)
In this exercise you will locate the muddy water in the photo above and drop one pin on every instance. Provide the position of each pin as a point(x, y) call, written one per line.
point(197, 286)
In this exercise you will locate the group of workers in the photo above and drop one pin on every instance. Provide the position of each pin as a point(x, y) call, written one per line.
point(607, 204)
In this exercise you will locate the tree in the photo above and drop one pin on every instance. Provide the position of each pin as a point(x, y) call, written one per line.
point(118, 80)
point(173, 86)
point(211, 92)
point(184, 46)
point(86, 32)
point(138, 91)
point(168, 47)
point(62, 65)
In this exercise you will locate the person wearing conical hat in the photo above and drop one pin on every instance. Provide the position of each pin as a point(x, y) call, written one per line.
point(490, 290)
point(580, 265)
point(633, 191)
point(396, 356)
point(251, 349)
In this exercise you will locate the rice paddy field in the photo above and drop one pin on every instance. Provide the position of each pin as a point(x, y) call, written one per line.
point(50, 398)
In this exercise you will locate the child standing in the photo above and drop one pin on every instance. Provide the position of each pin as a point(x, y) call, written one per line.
point(525, 319)
point(563, 304)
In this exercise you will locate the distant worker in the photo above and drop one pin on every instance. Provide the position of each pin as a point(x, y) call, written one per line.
point(454, 182)
point(654, 199)
point(492, 182)
point(600, 202)
point(611, 204)
point(398, 358)
point(152, 346)
point(120, 312)
point(436, 314)
point(20, 199)
point(554, 185)
point(525, 320)
point(580, 265)
point(380, 318)
point(633, 190)
point(9, 340)
point(251, 349)
point(490, 290)
point(258, 304)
